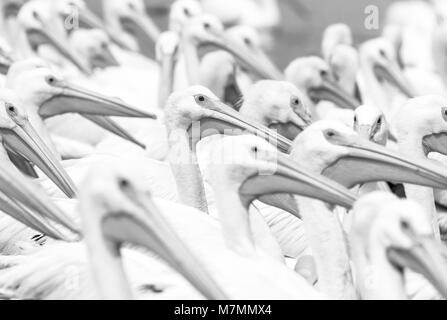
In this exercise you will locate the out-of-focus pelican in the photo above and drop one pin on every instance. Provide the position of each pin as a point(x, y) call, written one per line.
point(114, 214)
point(313, 77)
point(399, 238)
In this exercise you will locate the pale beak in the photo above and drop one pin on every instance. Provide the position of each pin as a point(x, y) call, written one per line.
point(25, 216)
point(391, 73)
point(17, 187)
point(142, 27)
point(38, 37)
point(436, 143)
point(369, 162)
point(365, 131)
point(113, 127)
point(148, 228)
point(426, 257)
point(330, 91)
point(290, 178)
point(222, 119)
point(294, 127)
point(90, 20)
point(25, 142)
point(247, 59)
point(74, 99)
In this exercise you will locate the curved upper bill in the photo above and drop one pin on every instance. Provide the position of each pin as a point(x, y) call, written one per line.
point(17, 187)
point(113, 127)
point(30, 219)
point(74, 99)
point(392, 73)
point(104, 59)
point(25, 142)
point(427, 257)
point(365, 161)
point(38, 37)
point(331, 91)
point(290, 178)
point(254, 63)
point(148, 228)
point(222, 119)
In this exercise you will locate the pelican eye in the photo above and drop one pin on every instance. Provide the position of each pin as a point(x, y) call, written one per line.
point(296, 101)
point(355, 119)
point(123, 183)
point(382, 53)
point(379, 122)
point(330, 133)
point(247, 41)
point(255, 150)
point(200, 99)
point(444, 113)
point(11, 109)
point(405, 225)
point(206, 25)
point(51, 80)
point(324, 73)
point(186, 12)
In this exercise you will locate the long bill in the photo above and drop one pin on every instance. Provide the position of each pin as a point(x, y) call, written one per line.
point(38, 37)
point(146, 31)
point(74, 99)
point(391, 73)
point(16, 187)
point(365, 161)
point(222, 119)
point(149, 229)
point(331, 91)
point(252, 62)
point(24, 141)
point(290, 178)
point(425, 257)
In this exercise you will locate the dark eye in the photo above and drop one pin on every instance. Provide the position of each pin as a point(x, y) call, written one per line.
point(35, 15)
point(355, 119)
point(104, 45)
point(444, 113)
point(330, 133)
point(247, 41)
point(11, 109)
point(124, 183)
point(324, 73)
point(255, 150)
point(382, 53)
point(405, 224)
point(206, 25)
point(51, 80)
point(200, 99)
point(379, 122)
point(186, 12)
point(132, 7)
point(296, 101)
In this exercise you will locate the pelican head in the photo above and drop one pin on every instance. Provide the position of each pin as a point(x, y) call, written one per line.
point(46, 89)
point(344, 64)
point(379, 56)
point(278, 105)
point(208, 30)
point(395, 232)
point(249, 38)
point(370, 123)
point(37, 19)
point(335, 35)
point(199, 112)
point(255, 168)
point(130, 17)
point(312, 75)
point(423, 121)
point(94, 45)
point(19, 137)
point(342, 155)
point(182, 11)
point(116, 208)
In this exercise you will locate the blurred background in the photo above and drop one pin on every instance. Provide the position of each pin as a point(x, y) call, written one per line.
point(301, 21)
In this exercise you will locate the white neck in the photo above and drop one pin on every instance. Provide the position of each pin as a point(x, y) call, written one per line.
point(192, 63)
point(329, 248)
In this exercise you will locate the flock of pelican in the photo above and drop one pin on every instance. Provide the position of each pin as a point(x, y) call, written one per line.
point(203, 171)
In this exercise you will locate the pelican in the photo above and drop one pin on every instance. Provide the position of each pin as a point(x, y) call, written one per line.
point(400, 239)
point(115, 216)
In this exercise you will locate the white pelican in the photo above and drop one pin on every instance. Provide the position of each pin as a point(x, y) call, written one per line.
point(389, 237)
